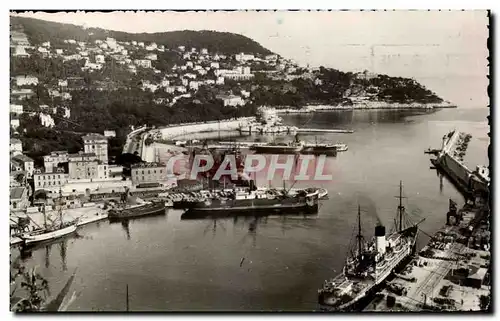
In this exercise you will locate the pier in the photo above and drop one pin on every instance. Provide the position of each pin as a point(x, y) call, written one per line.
point(324, 130)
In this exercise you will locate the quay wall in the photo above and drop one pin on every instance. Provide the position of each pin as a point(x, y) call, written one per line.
point(223, 125)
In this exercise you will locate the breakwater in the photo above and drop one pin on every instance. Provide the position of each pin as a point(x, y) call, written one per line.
point(173, 131)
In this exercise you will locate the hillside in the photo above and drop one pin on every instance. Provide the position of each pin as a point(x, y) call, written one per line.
point(39, 31)
point(108, 80)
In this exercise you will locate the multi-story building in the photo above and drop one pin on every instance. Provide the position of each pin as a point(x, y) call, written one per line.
point(144, 173)
point(231, 100)
point(54, 160)
point(51, 181)
point(19, 198)
point(83, 166)
point(97, 144)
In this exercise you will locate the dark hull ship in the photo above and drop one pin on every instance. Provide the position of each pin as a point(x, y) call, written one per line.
point(131, 207)
point(255, 202)
point(368, 267)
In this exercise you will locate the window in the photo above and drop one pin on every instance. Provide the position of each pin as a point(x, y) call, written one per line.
point(143, 172)
point(143, 178)
point(49, 183)
point(39, 184)
point(149, 172)
point(14, 205)
point(161, 171)
point(155, 171)
point(58, 176)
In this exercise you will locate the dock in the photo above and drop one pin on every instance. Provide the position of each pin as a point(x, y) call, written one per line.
point(451, 273)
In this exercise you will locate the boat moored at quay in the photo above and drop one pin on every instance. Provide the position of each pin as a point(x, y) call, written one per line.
point(255, 201)
point(132, 207)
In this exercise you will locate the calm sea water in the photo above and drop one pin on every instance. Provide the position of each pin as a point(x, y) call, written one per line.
point(275, 263)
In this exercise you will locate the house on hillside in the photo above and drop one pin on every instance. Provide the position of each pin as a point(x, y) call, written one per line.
point(231, 100)
point(26, 80)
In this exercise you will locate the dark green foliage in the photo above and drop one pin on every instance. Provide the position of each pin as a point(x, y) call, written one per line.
point(39, 31)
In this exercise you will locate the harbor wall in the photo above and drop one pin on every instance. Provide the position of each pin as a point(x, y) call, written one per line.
point(223, 125)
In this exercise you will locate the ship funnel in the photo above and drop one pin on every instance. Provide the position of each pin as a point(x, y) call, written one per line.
point(380, 238)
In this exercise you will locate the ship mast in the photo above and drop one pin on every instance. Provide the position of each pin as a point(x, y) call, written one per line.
point(359, 236)
point(401, 208)
point(60, 207)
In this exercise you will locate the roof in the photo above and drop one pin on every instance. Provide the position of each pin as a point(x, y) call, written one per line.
point(82, 155)
point(148, 165)
point(23, 158)
point(16, 192)
point(15, 141)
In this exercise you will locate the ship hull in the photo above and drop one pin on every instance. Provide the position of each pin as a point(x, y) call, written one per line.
point(277, 149)
point(251, 207)
point(318, 150)
point(44, 237)
point(157, 208)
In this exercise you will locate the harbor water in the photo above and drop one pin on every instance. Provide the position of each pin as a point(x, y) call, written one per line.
point(273, 263)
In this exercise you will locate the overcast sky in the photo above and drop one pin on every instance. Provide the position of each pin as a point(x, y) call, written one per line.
point(446, 51)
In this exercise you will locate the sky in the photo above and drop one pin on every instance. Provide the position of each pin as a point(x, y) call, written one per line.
point(444, 50)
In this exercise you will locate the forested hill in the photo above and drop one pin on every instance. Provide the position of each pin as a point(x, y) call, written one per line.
point(39, 31)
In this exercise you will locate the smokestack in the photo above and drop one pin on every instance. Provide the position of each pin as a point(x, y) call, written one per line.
point(380, 238)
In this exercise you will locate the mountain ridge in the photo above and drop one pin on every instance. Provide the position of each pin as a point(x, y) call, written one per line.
point(38, 31)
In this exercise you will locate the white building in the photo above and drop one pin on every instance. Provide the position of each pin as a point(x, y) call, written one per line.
point(151, 47)
point(100, 59)
point(98, 144)
point(220, 81)
point(152, 57)
point(62, 83)
point(14, 123)
point(144, 63)
point(182, 48)
point(231, 100)
point(28, 164)
point(59, 51)
point(50, 181)
point(146, 173)
point(46, 120)
point(140, 44)
point(16, 109)
point(189, 64)
point(52, 161)
point(170, 89)
point(204, 51)
point(16, 146)
point(165, 83)
point(214, 65)
point(242, 57)
point(193, 85)
point(109, 133)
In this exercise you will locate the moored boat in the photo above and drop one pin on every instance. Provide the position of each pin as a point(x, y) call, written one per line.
point(50, 232)
point(131, 207)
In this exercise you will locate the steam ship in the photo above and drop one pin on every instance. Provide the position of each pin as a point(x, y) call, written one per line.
point(131, 207)
point(253, 201)
point(369, 265)
point(279, 148)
